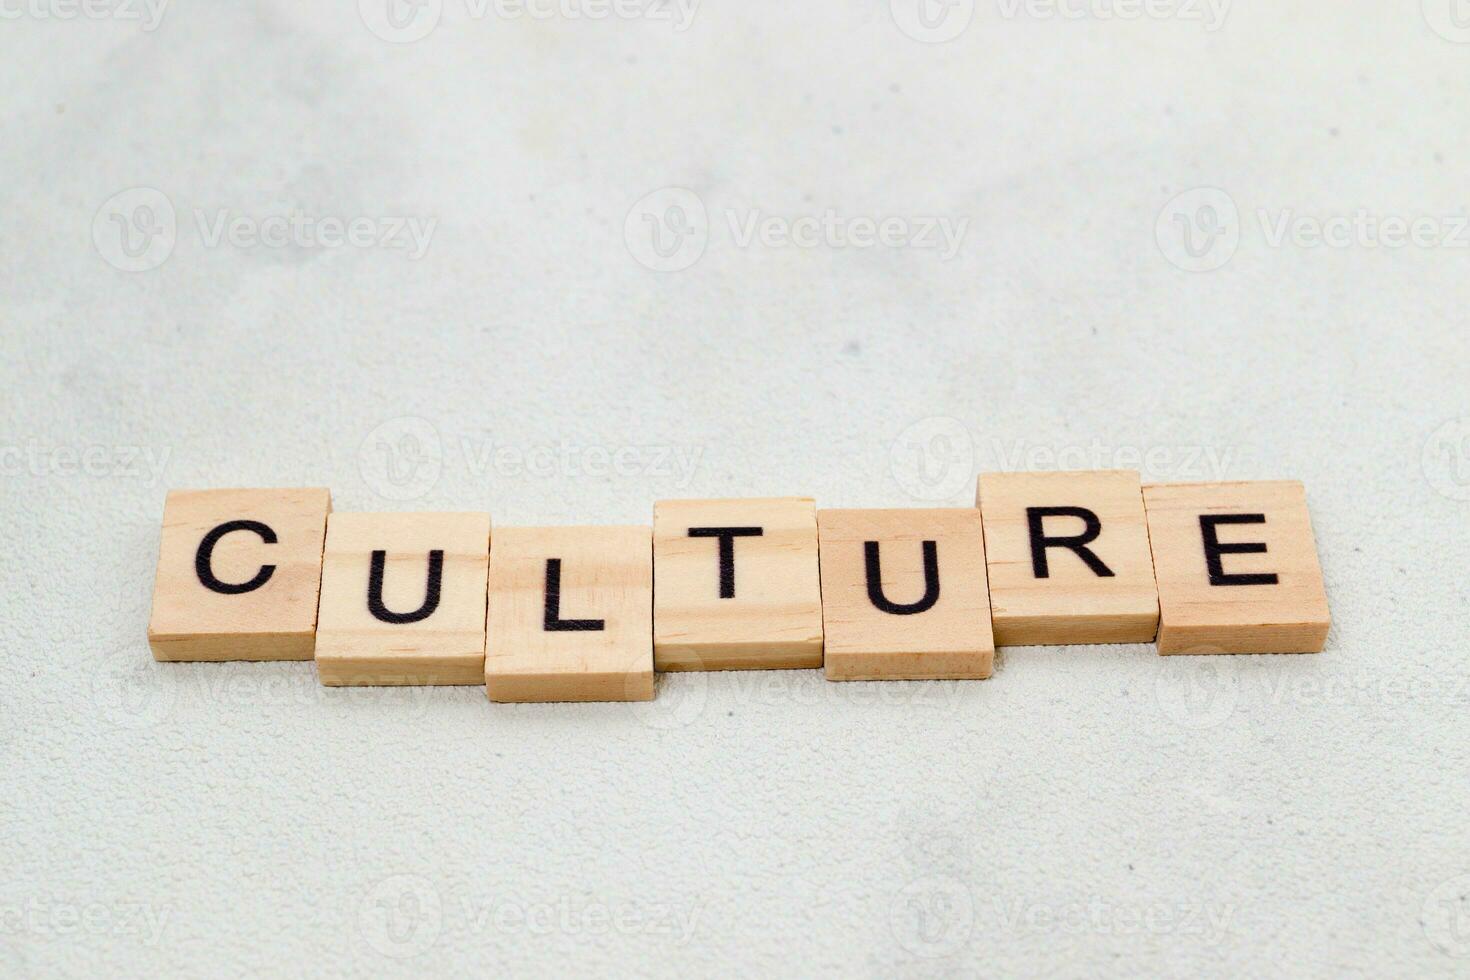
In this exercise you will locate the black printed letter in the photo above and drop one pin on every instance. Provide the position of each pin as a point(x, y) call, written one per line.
point(727, 536)
point(1214, 549)
point(206, 549)
point(875, 581)
point(1076, 543)
point(552, 621)
point(431, 590)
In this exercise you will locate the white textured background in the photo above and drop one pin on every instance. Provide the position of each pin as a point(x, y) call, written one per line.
point(1088, 811)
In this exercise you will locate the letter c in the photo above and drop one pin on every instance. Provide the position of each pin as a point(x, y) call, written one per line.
point(203, 569)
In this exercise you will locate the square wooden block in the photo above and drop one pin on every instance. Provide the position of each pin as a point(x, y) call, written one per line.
point(238, 574)
point(1237, 568)
point(738, 584)
point(570, 615)
point(904, 594)
point(403, 599)
point(1069, 558)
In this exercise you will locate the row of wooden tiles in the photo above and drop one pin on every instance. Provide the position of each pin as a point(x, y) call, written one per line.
point(589, 613)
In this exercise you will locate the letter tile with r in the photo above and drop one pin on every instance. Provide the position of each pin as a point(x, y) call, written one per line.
point(1069, 558)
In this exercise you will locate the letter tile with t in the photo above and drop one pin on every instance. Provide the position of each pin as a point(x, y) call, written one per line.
point(570, 615)
point(238, 574)
point(1237, 568)
point(904, 594)
point(1069, 558)
point(737, 584)
point(403, 599)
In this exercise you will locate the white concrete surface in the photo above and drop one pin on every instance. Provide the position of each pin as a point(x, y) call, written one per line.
point(1087, 812)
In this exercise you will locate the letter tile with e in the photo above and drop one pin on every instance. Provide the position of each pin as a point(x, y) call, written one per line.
point(1237, 568)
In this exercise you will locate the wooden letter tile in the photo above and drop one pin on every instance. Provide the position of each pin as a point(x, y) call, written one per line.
point(738, 585)
point(403, 599)
point(570, 615)
point(238, 574)
point(1069, 558)
point(1237, 568)
point(904, 594)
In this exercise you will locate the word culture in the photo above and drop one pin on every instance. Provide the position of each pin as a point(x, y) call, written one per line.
point(590, 613)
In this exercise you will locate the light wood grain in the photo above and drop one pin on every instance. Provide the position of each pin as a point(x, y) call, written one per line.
point(1073, 603)
point(1288, 617)
point(949, 639)
point(606, 575)
point(353, 647)
point(276, 621)
point(774, 619)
